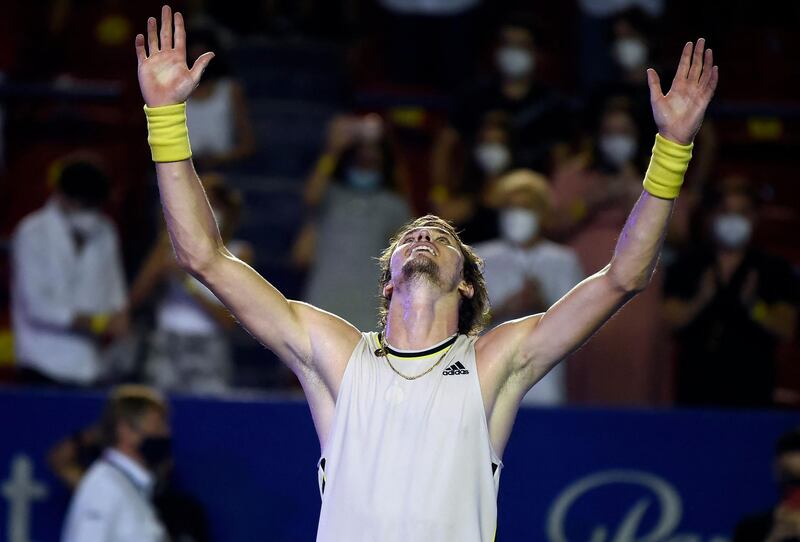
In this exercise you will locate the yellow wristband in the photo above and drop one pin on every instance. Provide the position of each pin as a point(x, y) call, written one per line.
point(759, 312)
point(99, 323)
point(578, 209)
point(168, 135)
point(668, 165)
point(439, 194)
point(326, 165)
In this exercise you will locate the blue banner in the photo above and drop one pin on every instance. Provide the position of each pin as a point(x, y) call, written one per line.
point(570, 474)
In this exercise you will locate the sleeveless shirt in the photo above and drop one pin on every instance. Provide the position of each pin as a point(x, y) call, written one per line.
point(409, 460)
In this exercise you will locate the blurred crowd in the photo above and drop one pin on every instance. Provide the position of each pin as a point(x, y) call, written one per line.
point(320, 128)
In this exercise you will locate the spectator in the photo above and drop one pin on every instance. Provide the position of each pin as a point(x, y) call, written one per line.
point(189, 350)
point(353, 194)
point(730, 305)
point(526, 273)
point(602, 181)
point(782, 523)
point(631, 51)
point(70, 459)
point(217, 116)
point(537, 116)
point(112, 501)
point(593, 194)
point(68, 286)
point(488, 160)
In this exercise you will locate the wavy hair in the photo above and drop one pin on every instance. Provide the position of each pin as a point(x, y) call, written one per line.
point(473, 312)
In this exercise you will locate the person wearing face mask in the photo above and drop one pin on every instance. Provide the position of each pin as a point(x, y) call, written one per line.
point(525, 272)
point(68, 286)
point(112, 502)
point(730, 306)
point(537, 115)
point(595, 188)
point(189, 349)
point(469, 208)
point(354, 203)
point(618, 64)
point(782, 522)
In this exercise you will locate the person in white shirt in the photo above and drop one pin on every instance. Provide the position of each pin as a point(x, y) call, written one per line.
point(68, 286)
point(526, 273)
point(190, 349)
point(113, 500)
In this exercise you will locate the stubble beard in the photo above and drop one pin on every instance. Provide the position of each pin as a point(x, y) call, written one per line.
point(421, 269)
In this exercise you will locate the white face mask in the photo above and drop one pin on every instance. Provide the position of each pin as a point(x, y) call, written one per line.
point(514, 62)
point(630, 52)
point(617, 148)
point(364, 179)
point(518, 225)
point(493, 158)
point(83, 222)
point(732, 230)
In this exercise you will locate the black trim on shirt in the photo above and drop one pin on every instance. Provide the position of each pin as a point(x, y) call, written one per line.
point(420, 353)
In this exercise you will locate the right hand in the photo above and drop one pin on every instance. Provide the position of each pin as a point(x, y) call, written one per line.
point(118, 324)
point(164, 76)
point(342, 132)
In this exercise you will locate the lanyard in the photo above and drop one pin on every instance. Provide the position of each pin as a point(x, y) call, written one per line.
point(125, 474)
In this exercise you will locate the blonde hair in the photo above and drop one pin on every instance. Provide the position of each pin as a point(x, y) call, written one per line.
point(473, 312)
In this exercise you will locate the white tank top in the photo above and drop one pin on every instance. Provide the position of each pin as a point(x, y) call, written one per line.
point(409, 461)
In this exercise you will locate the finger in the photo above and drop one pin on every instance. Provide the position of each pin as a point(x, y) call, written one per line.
point(152, 36)
point(685, 62)
point(199, 66)
point(712, 82)
point(708, 63)
point(654, 83)
point(166, 27)
point(180, 33)
point(141, 55)
point(697, 60)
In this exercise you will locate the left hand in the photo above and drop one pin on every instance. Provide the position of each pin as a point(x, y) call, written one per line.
point(679, 114)
point(118, 324)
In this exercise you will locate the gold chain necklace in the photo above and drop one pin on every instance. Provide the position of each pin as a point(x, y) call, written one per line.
point(384, 351)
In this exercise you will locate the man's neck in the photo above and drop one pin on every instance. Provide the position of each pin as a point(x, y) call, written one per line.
point(420, 317)
point(132, 464)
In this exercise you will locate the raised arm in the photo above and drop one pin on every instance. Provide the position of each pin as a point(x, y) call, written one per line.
point(296, 332)
point(536, 343)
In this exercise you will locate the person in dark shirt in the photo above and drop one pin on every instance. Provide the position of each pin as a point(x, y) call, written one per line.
point(730, 305)
point(538, 117)
point(782, 523)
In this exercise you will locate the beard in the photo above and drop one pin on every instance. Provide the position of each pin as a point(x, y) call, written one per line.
point(419, 269)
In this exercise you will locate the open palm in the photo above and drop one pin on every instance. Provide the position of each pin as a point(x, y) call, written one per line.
point(164, 76)
point(679, 113)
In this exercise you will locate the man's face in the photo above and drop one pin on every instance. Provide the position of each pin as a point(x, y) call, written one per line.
point(430, 254)
point(515, 36)
point(152, 424)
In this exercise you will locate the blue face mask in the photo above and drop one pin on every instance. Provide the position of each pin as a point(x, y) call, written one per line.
point(364, 179)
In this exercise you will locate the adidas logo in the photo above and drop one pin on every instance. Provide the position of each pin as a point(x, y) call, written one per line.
point(455, 369)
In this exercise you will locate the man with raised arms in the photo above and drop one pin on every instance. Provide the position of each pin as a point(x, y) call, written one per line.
point(412, 421)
